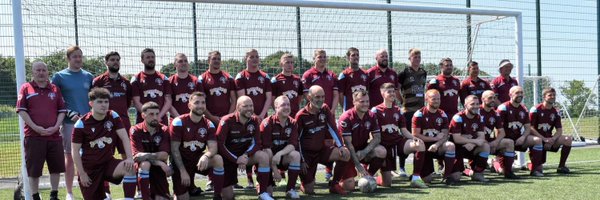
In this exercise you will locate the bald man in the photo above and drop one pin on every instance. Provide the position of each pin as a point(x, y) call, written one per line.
point(316, 124)
point(515, 119)
point(239, 144)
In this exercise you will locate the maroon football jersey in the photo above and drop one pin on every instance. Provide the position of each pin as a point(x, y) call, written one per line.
point(313, 129)
point(350, 81)
point(144, 142)
point(391, 121)
point(461, 124)
point(182, 88)
point(473, 87)
point(150, 87)
point(98, 138)
point(544, 120)
point(276, 137)
point(43, 106)
point(218, 88)
point(491, 120)
point(235, 138)
point(120, 93)
point(193, 136)
point(378, 77)
point(256, 85)
point(448, 88)
point(431, 124)
point(290, 86)
point(325, 79)
point(501, 87)
point(350, 125)
point(513, 119)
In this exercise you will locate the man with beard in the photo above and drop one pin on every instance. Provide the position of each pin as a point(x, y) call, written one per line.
point(493, 129)
point(255, 84)
point(279, 136)
point(94, 139)
point(239, 143)
point(357, 125)
point(288, 84)
point(41, 106)
point(466, 130)
point(316, 123)
point(192, 133)
point(515, 120)
point(503, 83)
point(544, 118)
point(430, 124)
point(351, 79)
point(151, 85)
point(378, 75)
point(120, 98)
point(412, 82)
point(448, 87)
point(74, 83)
point(150, 146)
point(183, 84)
point(473, 85)
point(396, 139)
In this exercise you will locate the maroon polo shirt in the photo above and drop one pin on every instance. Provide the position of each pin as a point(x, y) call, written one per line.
point(491, 120)
point(448, 88)
point(378, 77)
point(513, 119)
point(235, 138)
point(217, 87)
point(351, 81)
point(120, 92)
point(150, 87)
point(276, 137)
point(473, 87)
point(182, 88)
point(98, 138)
point(290, 86)
point(351, 125)
point(194, 136)
point(544, 120)
point(431, 124)
point(391, 121)
point(144, 142)
point(462, 125)
point(43, 106)
point(256, 86)
point(501, 87)
point(315, 128)
point(325, 79)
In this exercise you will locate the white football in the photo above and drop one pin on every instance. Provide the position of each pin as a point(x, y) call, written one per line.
point(367, 184)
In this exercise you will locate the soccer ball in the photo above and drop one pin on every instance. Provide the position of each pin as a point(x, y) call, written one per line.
point(367, 184)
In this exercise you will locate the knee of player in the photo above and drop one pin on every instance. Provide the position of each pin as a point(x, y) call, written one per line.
point(261, 157)
point(537, 140)
point(486, 147)
point(380, 151)
point(569, 139)
point(295, 156)
point(217, 161)
point(449, 146)
point(145, 165)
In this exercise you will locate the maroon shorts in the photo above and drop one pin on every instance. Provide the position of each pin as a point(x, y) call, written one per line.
point(40, 150)
point(98, 176)
point(312, 159)
point(461, 154)
point(127, 126)
point(158, 182)
point(428, 164)
point(191, 169)
point(553, 148)
point(393, 151)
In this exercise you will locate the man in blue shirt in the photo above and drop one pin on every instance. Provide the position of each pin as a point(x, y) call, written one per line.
point(74, 83)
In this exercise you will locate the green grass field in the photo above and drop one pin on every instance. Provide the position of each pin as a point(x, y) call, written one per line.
point(581, 184)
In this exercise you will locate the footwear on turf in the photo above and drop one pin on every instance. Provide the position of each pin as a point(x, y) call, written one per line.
point(304, 191)
point(54, 195)
point(537, 174)
point(238, 187)
point(292, 194)
point(479, 177)
point(250, 186)
point(196, 191)
point(418, 184)
point(563, 170)
point(511, 176)
point(69, 196)
point(335, 188)
point(328, 177)
point(265, 196)
point(209, 187)
point(450, 181)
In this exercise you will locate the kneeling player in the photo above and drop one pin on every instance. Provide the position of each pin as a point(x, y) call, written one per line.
point(191, 134)
point(430, 124)
point(544, 117)
point(357, 125)
point(466, 129)
point(239, 143)
point(279, 136)
point(396, 139)
point(94, 137)
point(150, 146)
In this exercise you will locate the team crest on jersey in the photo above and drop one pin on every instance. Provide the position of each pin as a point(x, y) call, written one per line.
point(492, 120)
point(108, 125)
point(396, 116)
point(251, 128)
point(288, 132)
point(329, 77)
point(188, 129)
point(191, 85)
point(474, 126)
point(343, 124)
point(296, 84)
point(157, 139)
point(522, 115)
point(411, 79)
point(439, 121)
point(93, 129)
point(455, 82)
point(392, 77)
point(158, 81)
point(51, 95)
point(124, 86)
point(223, 79)
point(322, 117)
point(552, 117)
point(368, 124)
point(482, 84)
point(363, 77)
point(202, 132)
point(261, 80)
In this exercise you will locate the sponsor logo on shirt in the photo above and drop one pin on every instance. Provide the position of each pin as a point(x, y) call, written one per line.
point(100, 142)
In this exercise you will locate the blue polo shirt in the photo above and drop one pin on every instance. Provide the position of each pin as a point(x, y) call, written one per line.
point(74, 87)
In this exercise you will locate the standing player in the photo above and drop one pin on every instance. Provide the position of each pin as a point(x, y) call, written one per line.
point(493, 129)
point(378, 75)
point(150, 146)
point(255, 84)
point(74, 83)
point(515, 119)
point(351, 79)
point(151, 85)
point(448, 87)
point(94, 139)
point(323, 77)
point(544, 118)
point(183, 84)
point(466, 129)
point(288, 84)
point(412, 84)
point(239, 143)
point(396, 139)
point(430, 124)
point(120, 96)
point(357, 125)
point(279, 136)
point(191, 133)
point(316, 123)
point(473, 85)
point(42, 108)
point(503, 83)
